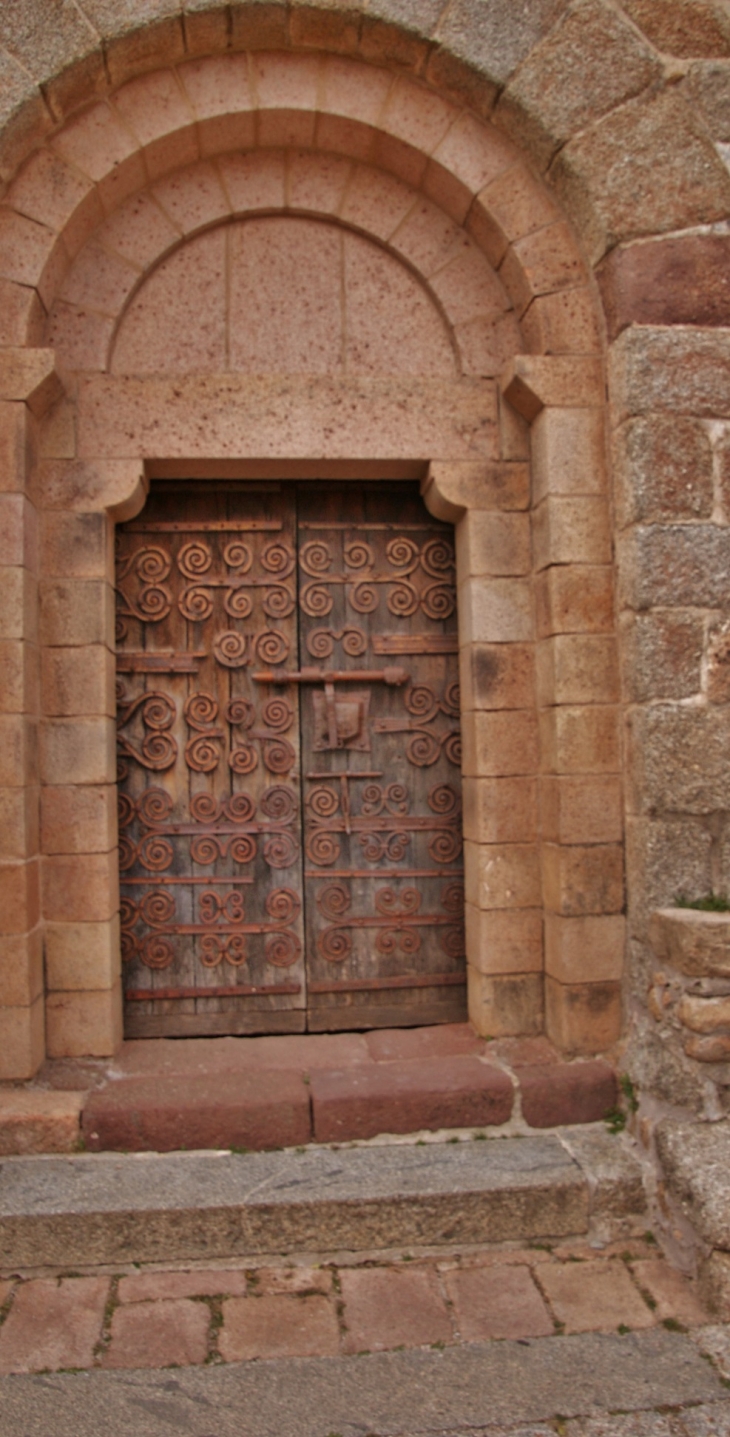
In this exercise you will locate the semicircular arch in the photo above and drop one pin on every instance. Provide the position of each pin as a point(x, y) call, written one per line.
point(121, 147)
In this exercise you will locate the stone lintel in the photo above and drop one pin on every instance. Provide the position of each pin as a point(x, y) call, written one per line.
point(227, 416)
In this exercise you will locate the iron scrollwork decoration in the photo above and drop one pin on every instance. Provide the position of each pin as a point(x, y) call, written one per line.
point(433, 563)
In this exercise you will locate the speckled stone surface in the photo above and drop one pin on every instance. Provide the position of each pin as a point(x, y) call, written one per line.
point(155, 1207)
point(481, 1388)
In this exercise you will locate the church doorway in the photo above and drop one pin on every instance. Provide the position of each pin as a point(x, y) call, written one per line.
point(289, 760)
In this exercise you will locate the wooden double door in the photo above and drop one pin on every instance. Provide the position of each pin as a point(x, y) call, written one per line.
point(289, 760)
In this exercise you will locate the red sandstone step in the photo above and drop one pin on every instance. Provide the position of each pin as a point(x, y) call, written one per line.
point(282, 1092)
point(406, 1096)
point(559, 1094)
point(201, 1110)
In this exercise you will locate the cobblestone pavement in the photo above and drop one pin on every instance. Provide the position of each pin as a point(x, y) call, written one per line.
point(158, 1318)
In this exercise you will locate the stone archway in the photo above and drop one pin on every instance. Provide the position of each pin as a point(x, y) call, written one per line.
point(451, 208)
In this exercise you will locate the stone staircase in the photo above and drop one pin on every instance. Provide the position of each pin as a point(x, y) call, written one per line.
point(228, 1148)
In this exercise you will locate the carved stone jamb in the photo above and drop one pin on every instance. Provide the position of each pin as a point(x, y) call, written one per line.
point(28, 384)
point(488, 503)
point(81, 501)
point(581, 817)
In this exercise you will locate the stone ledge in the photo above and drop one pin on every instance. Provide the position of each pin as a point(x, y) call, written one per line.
point(695, 942)
point(33, 1121)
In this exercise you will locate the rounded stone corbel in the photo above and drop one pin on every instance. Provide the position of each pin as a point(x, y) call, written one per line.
point(127, 487)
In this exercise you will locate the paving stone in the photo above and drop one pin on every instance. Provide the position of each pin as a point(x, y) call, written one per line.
point(278, 1325)
point(270, 1280)
point(635, 1424)
point(594, 1296)
point(159, 1334)
point(392, 1307)
point(673, 1294)
point(497, 1302)
point(224, 1110)
point(567, 1093)
point(450, 1391)
point(706, 1421)
point(498, 1257)
point(53, 1324)
point(151, 1286)
point(404, 1097)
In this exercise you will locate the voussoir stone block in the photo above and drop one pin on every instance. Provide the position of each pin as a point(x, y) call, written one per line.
point(648, 167)
point(590, 62)
point(701, 28)
point(496, 37)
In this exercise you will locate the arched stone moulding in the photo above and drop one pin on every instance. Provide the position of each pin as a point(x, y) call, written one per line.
point(541, 766)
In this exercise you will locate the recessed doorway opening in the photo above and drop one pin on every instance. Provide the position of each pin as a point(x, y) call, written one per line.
point(289, 760)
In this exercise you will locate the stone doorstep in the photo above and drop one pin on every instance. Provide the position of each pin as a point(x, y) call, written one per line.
point(88, 1210)
point(163, 1095)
